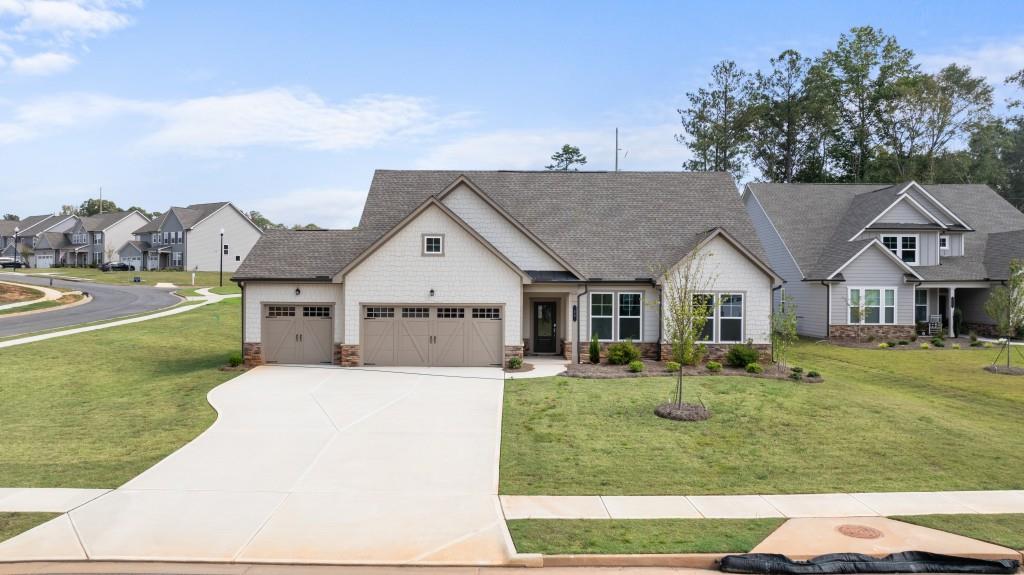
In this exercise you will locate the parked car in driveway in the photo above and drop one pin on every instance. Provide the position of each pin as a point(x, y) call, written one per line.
point(116, 267)
point(11, 263)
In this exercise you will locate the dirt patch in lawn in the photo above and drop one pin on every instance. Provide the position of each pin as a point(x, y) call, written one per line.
point(1004, 370)
point(10, 293)
point(654, 368)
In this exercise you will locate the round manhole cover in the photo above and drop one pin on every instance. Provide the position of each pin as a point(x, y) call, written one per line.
point(859, 531)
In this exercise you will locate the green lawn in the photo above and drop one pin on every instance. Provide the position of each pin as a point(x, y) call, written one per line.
point(883, 420)
point(1002, 529)
point(612, 536)
point(178, 278)
point(96, 409)
point(12, 524)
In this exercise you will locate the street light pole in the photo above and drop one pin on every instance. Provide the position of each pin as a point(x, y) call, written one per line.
point(16, 230)
point(222, 257)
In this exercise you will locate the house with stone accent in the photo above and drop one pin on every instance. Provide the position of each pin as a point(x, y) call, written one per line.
point(886, 260)
point(451, 268)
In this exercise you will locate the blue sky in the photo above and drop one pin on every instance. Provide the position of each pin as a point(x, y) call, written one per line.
point(288, 107)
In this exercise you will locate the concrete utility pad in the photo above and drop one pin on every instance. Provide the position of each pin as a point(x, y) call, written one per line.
point(312, 465)
point(876, 536)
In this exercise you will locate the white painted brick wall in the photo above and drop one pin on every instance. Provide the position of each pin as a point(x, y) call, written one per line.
point(258, 293)
point(499, 231)
point(733, 272)
point(467, 273)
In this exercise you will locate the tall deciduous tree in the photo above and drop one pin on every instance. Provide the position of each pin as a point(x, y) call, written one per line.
point(566, 159)
point(12, 217)
point(716, 122)
point(92, 206)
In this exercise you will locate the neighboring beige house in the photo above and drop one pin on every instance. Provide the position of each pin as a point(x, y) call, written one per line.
point(189, 238)
point(471, 268)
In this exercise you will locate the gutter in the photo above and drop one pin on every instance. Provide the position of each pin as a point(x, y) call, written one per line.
point(241, 286)
point(579, 317)
point(828, 306)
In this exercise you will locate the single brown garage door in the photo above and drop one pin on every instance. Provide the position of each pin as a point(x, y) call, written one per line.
point(432, 336)
point(297, 333)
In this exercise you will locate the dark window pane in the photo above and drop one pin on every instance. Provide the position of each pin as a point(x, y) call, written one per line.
point(732, 329)
point(890, 315)
point(854, 315)
point(909, 256)
point(708, 332)
point(871, 315)
point(602, 326)
point(921, 297)
point(629, 328)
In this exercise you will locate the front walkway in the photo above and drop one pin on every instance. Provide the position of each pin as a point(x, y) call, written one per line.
point(312, 465)
point(757, 506)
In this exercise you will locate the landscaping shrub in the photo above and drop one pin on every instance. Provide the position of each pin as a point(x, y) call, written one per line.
point(925, 345)
point(972, 336)
point(636, 366)
point(671, 366)
point(754, 368)
point(883, 345)
point(913, 337)
point(938, 342)
point(987, 345)
point(955, 346)
point(515, 362)
point(714, 366)
point(796, 369)
point(813, 374)
point(903, 342)
point(235, 359)
point(796, 376)
point(741, 355)
point(890, 343)
point(622, 353)
point(976, 344)
point(595, 350)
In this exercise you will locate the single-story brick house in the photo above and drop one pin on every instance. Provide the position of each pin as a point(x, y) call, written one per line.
point(470, 268)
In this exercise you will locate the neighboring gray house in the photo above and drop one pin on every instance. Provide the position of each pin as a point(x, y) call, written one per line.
point(471, 268)
point(91, 240)
point(29, 232)
point(189, 238)
point(885, 259)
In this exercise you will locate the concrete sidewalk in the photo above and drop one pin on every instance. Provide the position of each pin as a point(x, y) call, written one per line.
point(45, 499)
point(757, 506)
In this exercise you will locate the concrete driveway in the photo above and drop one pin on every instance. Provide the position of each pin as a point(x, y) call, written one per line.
point(108, 302)
point(312, 465)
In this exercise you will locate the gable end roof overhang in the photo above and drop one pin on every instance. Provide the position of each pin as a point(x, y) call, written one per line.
point(909, 270)
point(935, 201)
point(736, 244)
point(899, 198)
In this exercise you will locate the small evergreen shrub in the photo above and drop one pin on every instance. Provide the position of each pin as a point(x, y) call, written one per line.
point(973, 336)
point(796, 369)
point(636, 366)
point(623, 353)
point(938, 342)
point(883, 345)
point(976, 344)
point(754, 368)
point(595, 350)
point(903, 342)
point(813, 374)
point(671, 366)
point(924, 345)
point(890, 343)
point(714, 366)
point(796, 376)
point(235, 359)
point(741, 355)
point(955, 346)
point(987, 345)
point(515, 362)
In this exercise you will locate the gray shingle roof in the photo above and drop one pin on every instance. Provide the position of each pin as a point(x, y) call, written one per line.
point(30, 225)
point(609, 225)
point(301, 254)
point(53, 241)
point(188, 216)
point(804, 214)
point(100, 222)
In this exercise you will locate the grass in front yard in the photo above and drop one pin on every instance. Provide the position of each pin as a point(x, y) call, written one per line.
point(921, 420)
point(96, 409)
point(1001, 529)
point(178, 278)
point(62, 300)
point(12, 524)
point(614, 536)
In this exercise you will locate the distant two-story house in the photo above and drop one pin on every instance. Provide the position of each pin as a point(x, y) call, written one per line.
point(20, 238)
point(91, 240)
point(886, 260)
point(189, 238)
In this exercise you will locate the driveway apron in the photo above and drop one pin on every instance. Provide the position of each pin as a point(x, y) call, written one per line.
point(315, 465)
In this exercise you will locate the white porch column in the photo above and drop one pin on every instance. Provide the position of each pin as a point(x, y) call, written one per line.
point(951, 299)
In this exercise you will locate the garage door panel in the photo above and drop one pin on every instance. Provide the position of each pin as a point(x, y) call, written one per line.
point(449, 347)
point(379, 336)
point(316, 339)
point(278, 334)
point(443, 336)
point(413, 346)
point(485, 342)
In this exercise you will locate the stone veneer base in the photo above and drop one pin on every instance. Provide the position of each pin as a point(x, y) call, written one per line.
point(252, 354)
point(347, 355)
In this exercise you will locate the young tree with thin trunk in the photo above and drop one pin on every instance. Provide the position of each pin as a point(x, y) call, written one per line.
point(784, 335)
point(1006, 306)
point(686, 306)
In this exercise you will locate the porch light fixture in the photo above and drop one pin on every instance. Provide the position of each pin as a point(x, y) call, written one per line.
point(298, 292)
point(431, 292)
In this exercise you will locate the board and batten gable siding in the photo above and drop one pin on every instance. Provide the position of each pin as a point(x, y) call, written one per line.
point(203, 242)
point(931, 206)
point(903, 213)
point(120, 233)
point(873, 269)
point(649, 315)
point(927, 243)
point(497, 230)
point(811, 299)
point(467, 273)
point(259, 293)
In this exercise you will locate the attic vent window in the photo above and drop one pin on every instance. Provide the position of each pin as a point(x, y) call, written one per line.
point(433, 245)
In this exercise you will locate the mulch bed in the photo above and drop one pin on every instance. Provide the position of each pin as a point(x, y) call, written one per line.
point(526, 367)
point(965, 343)
point(1002, 369)
point(657, 369)
point(682, 412)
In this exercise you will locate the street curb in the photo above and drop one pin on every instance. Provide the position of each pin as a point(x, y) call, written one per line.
point(85, 299)
point(679, 560)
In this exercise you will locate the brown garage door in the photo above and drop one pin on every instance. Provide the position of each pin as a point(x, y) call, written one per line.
point(298, 334)
point(432, 336)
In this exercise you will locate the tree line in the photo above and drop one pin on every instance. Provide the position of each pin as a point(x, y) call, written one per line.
point(862, 111)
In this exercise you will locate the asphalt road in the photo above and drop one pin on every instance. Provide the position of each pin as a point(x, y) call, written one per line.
point(108, 302)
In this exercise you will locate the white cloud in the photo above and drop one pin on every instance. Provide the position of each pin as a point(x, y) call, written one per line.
point(326, 207)
point(214, 124)
point(994, 59)
point(42, 64)
point(650, 147)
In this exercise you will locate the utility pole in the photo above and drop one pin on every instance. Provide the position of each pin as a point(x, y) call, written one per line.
point(101, 196)
point(617, 149)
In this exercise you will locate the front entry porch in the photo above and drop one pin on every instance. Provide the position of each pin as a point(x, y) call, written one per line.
point(548, 320)
point(958, 308)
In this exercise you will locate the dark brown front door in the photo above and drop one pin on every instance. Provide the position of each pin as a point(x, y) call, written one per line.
point(544, 327)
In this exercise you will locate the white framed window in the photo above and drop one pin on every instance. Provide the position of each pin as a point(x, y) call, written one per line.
point(380, 312)
point(921, 305)
point(433, 244)
point(602, 309)
point(98, 238)
point(167, 237)
point(706, 302)
point(155, 238)
point(872, 306)
point(176, 259)
point(943, 242)
point(730, 317)
point(902, 246)
point(631, 316)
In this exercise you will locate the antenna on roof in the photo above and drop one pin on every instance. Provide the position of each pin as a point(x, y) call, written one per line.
point(617, 149)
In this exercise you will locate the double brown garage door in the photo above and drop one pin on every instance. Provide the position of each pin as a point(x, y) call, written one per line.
point(432, 336)
point(297, 333)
